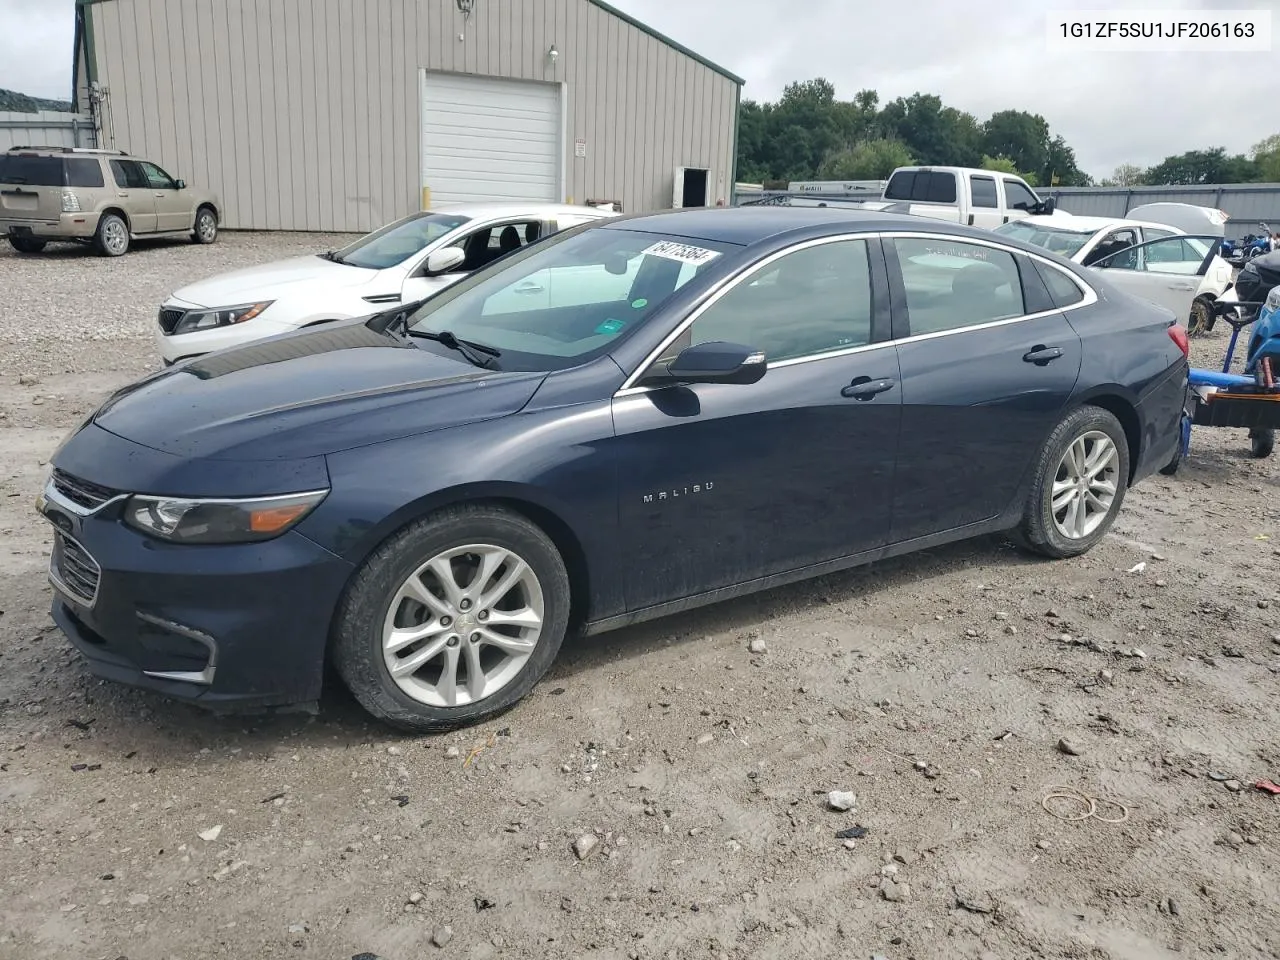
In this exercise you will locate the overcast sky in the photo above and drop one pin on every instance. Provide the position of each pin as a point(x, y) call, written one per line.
point(980, 56)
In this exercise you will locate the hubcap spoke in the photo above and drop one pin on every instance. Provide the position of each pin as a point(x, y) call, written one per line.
point(518, 648)
point(415, 589)
point(489, 564)
point(514, 618)
point(476, 681)
point(415, 662)
point(515, 572)
point(442, 567)
point(448, 682)
point(403, 637)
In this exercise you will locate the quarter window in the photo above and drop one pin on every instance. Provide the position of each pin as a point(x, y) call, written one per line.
point(950, 284)
point(809, 302)
point(1062, 289)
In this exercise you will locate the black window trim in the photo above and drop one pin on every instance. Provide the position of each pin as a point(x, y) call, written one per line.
point(995, 191)
point(1017, 181)
point(902, 333)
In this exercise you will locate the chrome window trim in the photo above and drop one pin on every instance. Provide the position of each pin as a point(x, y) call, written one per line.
point(1090, 297)
point(730, 283)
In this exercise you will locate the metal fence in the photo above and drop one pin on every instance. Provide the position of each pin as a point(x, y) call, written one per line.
point(1247, 203)
point(46, 129)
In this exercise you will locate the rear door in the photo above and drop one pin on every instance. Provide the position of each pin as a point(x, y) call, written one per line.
point(133, 193)
point(31, 187)
point(984, 202)
point(988, 365)
point(1167, 271)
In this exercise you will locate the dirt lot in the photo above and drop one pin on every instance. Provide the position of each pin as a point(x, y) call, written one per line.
point(134, 827)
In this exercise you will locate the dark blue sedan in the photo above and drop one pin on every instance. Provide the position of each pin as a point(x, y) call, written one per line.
point(627, 419)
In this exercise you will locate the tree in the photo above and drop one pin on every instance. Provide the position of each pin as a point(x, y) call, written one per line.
point(1126, 175)
point(999, 164)
point(1060, 167)
point(866, 160)
point(1022, 137)
point(1202, 166)
point(1266, 158)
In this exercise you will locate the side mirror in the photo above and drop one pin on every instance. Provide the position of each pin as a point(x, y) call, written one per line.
point(1048, 205)
point(180, 184)
point(718, 362)
point(444, 260)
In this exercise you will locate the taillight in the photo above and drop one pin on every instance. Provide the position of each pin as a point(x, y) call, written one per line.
point(70, 202)
point(1178, 334)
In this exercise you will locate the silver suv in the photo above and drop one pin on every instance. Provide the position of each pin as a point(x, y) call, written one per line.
point(103, 197)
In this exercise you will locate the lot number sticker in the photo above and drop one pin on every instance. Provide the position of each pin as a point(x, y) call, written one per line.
point(681, 252)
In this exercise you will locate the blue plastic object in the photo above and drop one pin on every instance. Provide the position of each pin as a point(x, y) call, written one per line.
point(1264, 341)
point(1198, 377)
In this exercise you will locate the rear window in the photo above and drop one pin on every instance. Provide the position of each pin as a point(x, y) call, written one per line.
point(32, 171)
point(922, 186)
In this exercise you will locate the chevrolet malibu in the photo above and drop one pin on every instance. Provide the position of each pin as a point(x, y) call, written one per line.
point(431, 498)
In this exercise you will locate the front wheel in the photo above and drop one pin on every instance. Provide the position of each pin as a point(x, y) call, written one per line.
point(1201, 317)
point(1262, 442)
point(1079, 483)
point(26, 244)
point(452, 620)
point(206, 228)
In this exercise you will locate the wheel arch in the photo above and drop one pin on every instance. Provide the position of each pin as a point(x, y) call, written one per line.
point(509, 496)
point(1122, 405)
point(217, 214)
point(119, 212)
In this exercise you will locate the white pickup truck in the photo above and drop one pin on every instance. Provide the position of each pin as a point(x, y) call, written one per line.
point(979, 198)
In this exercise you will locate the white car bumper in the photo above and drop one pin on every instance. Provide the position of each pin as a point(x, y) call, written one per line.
point(175, 347)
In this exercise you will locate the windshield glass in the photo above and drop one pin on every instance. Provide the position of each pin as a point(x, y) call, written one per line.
point(398, 241)
point(568, 299)
point(1063, 240)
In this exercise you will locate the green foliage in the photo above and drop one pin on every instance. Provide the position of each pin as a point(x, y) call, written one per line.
point(1203, 166)
point(13, 102)
point(1266, 159)
point(866, 160)
point(999, 164)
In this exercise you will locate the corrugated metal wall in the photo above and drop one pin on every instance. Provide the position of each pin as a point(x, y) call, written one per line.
point(1247, 203)
point(45, 129)
point(304, 114)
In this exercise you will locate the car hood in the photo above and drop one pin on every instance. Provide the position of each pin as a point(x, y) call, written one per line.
point(271, 280)
point(307, 394)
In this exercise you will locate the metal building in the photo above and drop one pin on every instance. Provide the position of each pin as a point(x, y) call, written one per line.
point(345, 114)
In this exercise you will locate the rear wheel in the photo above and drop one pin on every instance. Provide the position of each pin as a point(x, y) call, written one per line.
point(1262, 442)
point(1079, 484)
point(112, 238)
point(26, 244)
point(452, 620)
point(1201, 315)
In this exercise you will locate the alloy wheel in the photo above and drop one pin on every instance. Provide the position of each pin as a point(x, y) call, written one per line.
point(1085, 485)
point(206, 226)
point(463, 625)
point(115, 237)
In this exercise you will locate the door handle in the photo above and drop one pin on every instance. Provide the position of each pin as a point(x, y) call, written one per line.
point(1040, 355)
point(864, 388)
point(529, 288)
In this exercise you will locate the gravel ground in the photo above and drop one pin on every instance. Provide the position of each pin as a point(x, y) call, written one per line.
point(688, 760)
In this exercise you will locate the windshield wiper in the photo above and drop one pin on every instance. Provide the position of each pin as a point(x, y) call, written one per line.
point(477, 354)
point(331, 255)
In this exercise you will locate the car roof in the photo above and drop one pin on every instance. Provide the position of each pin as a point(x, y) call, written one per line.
point(483, 210)
point(1069, 221)
point(753, 224)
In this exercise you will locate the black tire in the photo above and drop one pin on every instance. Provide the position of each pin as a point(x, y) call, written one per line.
point(1262, 442)
point(1201, 318)
point(27, 244)
point(1038, 532)
point(112, 236)
point(356, 642)
point(205, 229)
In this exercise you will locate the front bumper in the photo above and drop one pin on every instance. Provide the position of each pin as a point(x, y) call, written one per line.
point(222, 626)
point(181, 346)
point(69, 226)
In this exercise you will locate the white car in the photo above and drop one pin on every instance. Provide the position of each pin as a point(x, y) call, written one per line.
point(1152, 267)
point(405, 261)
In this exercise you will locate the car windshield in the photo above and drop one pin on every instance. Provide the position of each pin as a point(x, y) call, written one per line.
point(398, 241)
point(1060, 239)
point(568, 299)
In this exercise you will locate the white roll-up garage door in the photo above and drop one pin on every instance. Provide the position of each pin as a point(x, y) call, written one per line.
point(488, 139)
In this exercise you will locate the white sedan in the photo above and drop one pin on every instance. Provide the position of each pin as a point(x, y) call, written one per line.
point(407, 260)
point(1165, 263)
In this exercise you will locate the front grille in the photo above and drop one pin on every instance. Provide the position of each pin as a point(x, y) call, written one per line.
point(169, 319)
point(75, 569)
point(81, 492)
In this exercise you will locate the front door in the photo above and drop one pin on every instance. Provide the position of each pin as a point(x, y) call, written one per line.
point(1168, 271)
point(134, 194)
point(723, 484)
point(983, 383)
point(173, 206)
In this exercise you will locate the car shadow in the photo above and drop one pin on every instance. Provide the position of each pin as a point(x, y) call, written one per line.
point(173, 730)
point(67, 250)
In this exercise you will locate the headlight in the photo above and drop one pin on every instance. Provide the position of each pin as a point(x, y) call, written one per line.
point(220, 317)
point(183, 520)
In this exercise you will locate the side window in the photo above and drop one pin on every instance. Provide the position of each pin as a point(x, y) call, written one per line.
point(1178, 255)
point(83, 172)
point(806, 303)
point(128, 175)
point(489, 243)
point(950, 284)
point(984, 191)
point(1016, 192)
point(1062, 288)
point(922, 186)
point(157, 179)
point(1155, 233)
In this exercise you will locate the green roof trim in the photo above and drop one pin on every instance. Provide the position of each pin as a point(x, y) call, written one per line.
point(610, 8)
